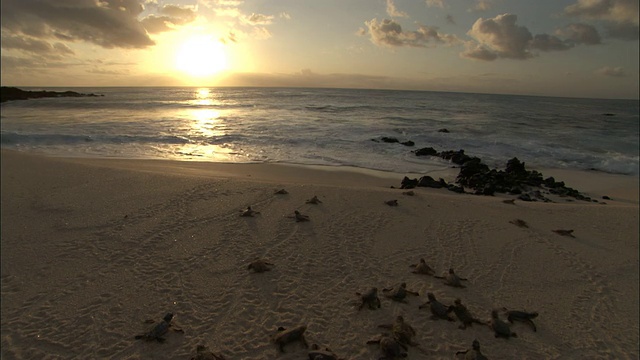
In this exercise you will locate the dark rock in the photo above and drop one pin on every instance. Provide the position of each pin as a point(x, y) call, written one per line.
point(608, 114)
point(525, 197)
point(408, 143)
point(408, 183)
point(12, 93)
point(427, 151)
point(428, 181)
point(443, 130)
point(456, 157)
point(389, 139)
point(605, 197)
point(455, 188)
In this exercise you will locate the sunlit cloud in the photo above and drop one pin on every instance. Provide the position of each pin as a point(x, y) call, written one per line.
point(545, 42)
point(107, 23)
point(580, 34)
point(435, 3)
point(32, 45)
point(393, 11)
point(258, 19)
point(611, 71)
point(502, 36)
point(389, 33)
point(481, 5)
point(620, 11)
point(620, 16)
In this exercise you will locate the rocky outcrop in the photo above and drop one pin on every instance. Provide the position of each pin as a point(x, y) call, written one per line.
point(12, 93)
point(474, 175)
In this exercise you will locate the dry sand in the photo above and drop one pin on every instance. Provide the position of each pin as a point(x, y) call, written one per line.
point(92, 248)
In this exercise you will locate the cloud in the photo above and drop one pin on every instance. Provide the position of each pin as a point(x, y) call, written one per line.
point(389, 33)
point(450, 19)
point(623, 31)
point(482, 5)
point(545, 42)
point(33, 45)
point(478, 52)
point(580, 34)
point(172, 16)
point(611, 71)
point(107, 23)
point(619, 11)
point(435, 3)
point(258, 19)
point(620, 16)
point(393, 12)
point(502, 36)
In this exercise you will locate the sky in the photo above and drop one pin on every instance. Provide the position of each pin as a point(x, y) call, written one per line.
point(569, 48)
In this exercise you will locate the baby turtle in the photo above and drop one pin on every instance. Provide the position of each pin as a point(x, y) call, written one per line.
point(249, 212)
point(390, 347)
point(438, 309)
point(285, 336)
point(523, 316)
point(473, 353)
point(391, 202)
point(408, 193)
point(370, 298)
point(509, 201)
point(520, 223)
point(203, 353)
point(401, 331)
point(463, 314)
point(564, 232)
point(422, 268)
point(500, 327)
point(159, 330)
point(318, 354)
point(399, 294)
point(260, 266)
point(452, 279)
point(281, 192)
point(314, 200)
point(299, 217)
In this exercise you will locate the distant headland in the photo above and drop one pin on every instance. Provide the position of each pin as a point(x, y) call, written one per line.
point(11, 93)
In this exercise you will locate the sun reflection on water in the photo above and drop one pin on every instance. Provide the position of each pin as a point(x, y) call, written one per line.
point(206, 124)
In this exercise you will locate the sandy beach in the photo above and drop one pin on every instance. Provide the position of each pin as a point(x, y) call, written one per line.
point(91, 248)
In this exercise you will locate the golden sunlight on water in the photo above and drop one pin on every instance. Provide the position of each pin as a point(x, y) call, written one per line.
point(204, 124)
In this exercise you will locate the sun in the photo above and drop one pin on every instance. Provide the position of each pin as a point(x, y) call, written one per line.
point(201, 56)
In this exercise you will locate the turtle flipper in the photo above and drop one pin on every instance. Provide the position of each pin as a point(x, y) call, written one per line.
point(533, 326)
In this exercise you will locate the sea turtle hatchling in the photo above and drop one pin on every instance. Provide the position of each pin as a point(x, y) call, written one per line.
point(564, 232)
point(159, 330)
point(519, 223)
point(523, 316)
point(422, 268)
point(452, 279)
point(463, 314)
point(249, 212)
point(299, 217)
point(314, 200)
point(260, 265)
point(438, 309)
point(281, 192)
point(389, 347)
point(399, 294)
point(369, 298)
point(401, 331)
point(500, 328)
point(203, 353)
point(284, 336)
point(391, 202)
point(316, 353)
point(473, 353)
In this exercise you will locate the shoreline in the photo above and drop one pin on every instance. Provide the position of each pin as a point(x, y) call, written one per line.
point(618, 187)
point(92, 248)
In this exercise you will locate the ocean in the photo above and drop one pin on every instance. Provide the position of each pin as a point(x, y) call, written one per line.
point(334, 127)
